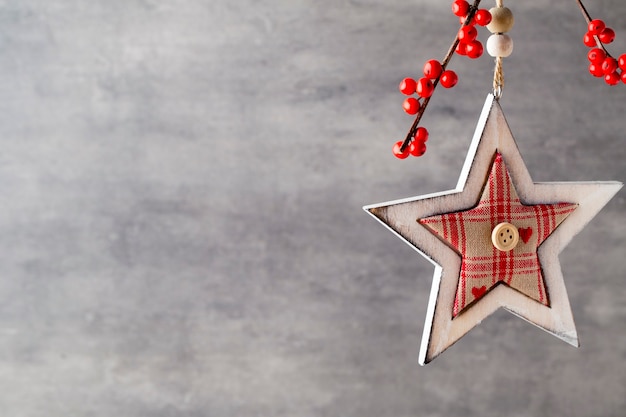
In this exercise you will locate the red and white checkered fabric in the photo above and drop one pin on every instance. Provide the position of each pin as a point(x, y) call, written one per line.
point(469, 233)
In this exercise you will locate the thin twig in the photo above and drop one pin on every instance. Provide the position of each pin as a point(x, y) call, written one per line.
point(444, 64)
point(584, 11)
point(588, 18)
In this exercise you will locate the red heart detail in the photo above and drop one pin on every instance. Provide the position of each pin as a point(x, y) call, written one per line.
point(525, 234)
point(479, 292)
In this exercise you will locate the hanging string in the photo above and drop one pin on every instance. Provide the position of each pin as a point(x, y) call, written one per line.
point(498, 78)
point(498, 72)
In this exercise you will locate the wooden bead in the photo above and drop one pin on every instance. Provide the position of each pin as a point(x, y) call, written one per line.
point(499, 45)
point(501, 20)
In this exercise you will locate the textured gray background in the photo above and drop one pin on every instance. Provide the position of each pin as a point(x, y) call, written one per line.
point(181, 231)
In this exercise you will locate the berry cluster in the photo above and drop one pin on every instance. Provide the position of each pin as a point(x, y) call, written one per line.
point(598, 28)
point(468, 44)
point(417, 147)
point(425, 86)
point(602, 64)
point(435, 73)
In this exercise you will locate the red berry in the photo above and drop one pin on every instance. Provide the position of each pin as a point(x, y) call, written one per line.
point(407, 86)
point(609, 65)
point(460, 7)
point(624, 77)
point(411, 105)
point(474, 49)
point(398, 153)
point(596, 26)
point(449, 79)
point(461, 48)
point(467, 34)
point(612, 78)
point(425, 87)
point(596, 70)
point(432, 69)
point(417, 148)
point(596, 55)
point(483, 17)
point(607, 35)
point(472, 21)
point(589, 40)
point(622, 62)
point(421, 135)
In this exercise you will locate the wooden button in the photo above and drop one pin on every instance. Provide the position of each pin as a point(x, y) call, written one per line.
point(505, 237)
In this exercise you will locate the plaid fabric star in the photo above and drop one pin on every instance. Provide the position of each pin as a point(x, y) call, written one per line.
point(483, 266)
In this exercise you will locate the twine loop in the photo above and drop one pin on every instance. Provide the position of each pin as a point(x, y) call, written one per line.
point(498, 78)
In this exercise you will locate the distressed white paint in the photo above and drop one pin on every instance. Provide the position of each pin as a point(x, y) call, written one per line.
point(492, 134)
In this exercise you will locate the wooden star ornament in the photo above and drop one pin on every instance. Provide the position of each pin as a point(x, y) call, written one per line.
point(495, 239)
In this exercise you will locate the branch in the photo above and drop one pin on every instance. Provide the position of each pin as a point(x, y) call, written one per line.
point(588, 18)
point(444, 64)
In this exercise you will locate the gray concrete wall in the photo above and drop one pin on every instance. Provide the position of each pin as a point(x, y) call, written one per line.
point(181, 231)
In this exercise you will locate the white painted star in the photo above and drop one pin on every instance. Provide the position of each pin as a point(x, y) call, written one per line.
point(441, 328)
